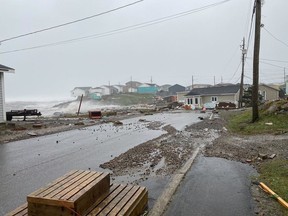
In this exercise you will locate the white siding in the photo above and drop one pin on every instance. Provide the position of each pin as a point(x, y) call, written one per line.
point(2, 98)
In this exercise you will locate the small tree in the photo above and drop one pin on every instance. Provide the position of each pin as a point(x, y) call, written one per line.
point(247, 97)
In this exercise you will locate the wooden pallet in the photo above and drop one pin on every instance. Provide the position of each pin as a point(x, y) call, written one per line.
point(122, 200)
point(84, 193)
point(76, 191)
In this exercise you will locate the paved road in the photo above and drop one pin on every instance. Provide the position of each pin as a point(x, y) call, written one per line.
point(29, 164)
point(214, 186)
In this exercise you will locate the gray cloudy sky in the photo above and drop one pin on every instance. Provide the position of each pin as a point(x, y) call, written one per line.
point(203, 44)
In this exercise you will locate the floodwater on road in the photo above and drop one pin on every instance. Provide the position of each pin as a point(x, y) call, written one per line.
point(214, 186)
point(30, 164)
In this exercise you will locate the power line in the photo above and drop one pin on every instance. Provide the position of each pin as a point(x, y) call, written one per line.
point(263, 62)
point(124, 29)
point(235, 72)
point(264, 59)
point(69, 23)
point(251, 25)
point(275, 37)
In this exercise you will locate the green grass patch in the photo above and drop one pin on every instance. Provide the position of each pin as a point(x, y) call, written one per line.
point(129, 99)
point(241, 123)
point(275, 175)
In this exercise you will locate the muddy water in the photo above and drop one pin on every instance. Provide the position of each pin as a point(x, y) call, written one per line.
point(214, 186)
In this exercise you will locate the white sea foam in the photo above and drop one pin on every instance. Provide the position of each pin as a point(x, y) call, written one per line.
point(49, 108)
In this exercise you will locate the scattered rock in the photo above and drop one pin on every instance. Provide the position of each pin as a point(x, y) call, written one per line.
point(32, 134)
point(117, 123)
point(263, 156)
point(38, 125)
point(272, 156)
point(79, 123)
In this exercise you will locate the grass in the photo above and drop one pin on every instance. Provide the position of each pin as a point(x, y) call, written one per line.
point(275, 175)
point(129, 99)
point(242, 124)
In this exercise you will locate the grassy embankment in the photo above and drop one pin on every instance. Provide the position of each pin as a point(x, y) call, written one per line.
point(274, 172)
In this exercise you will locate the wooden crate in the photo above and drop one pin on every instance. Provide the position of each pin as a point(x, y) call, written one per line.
point(72, 194)
point(76, 194)
point(122, 200)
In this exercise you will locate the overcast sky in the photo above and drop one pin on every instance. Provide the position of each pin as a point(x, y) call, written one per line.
point(203, 44)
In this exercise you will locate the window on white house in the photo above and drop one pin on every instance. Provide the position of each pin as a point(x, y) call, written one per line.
point(263, 93)
point(214, 99)
point(196, 101)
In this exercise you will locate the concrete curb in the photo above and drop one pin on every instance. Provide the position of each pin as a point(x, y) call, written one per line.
point(162, 202)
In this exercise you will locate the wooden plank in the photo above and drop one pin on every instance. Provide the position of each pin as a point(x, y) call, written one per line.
point(60, 180)
point(136, 204)
point(92, 194)
point(124, 201)
point(115, 201)
point(20, 211)
point(62, 188)
point(36, 209)
point(107, 200)
point(79, 188)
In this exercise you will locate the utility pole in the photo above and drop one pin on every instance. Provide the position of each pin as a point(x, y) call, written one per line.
point(255, 87)
point(192, 84)
point(284, 75)
point(244, 51)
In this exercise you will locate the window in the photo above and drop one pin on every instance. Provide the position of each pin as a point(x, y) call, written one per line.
point(189, 101)
point(214, 99)
point(196, 101)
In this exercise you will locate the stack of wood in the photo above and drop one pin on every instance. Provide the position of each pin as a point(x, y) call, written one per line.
point(85, 193)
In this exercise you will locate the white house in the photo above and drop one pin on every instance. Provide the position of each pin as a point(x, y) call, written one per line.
point(3, 69)
point(79, 91)
point(120, 88)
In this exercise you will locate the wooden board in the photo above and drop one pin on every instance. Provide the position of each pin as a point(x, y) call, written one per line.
point(122, 200)
point(75, 193)
point(20, 211)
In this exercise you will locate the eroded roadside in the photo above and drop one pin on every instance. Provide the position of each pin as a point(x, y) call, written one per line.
point(163, 156)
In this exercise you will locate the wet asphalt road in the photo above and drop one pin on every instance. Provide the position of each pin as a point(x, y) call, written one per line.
point(30, 164)
point(214, 186)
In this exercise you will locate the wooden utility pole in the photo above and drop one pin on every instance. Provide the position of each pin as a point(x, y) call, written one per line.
point(255, 87)
point(192, 83)
point(242, 75)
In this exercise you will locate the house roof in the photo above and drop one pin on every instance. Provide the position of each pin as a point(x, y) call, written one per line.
point(269, 86)
point(83, 88)
point(4, 68)
point(215, 90)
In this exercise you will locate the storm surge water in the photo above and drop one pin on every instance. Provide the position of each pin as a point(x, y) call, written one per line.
point(56, 108)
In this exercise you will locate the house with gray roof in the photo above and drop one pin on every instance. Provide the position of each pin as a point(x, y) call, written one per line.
point(210, 96)
point(3, 69)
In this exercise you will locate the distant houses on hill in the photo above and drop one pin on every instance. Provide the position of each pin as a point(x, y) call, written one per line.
point(201, 95)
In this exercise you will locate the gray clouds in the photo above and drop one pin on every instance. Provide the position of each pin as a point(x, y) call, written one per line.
point(204, 44)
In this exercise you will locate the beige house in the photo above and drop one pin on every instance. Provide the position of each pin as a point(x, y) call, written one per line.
point(3, 69)
point(268, 92)
point(210, 96)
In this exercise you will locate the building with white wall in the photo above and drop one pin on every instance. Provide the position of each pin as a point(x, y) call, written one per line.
point(3, 69)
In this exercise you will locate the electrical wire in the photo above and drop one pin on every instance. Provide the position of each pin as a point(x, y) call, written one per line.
point(251, 25)
point(235, 72)
point(264, 59)
point(124, 29)
point(69, 23)
point(275, 37)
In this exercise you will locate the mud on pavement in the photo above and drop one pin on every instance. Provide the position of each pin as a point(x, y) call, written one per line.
point(161, 156)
